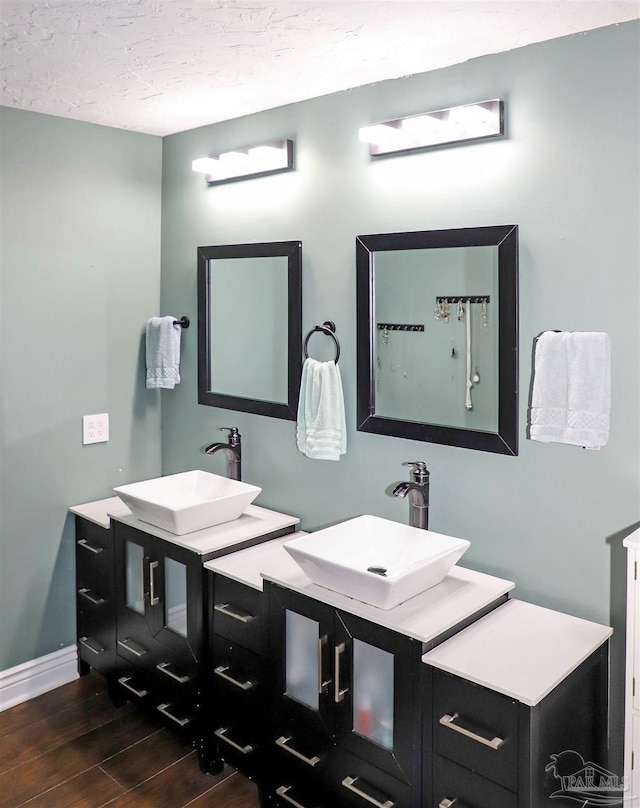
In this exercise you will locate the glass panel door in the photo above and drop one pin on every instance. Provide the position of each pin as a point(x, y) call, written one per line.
point(302, 655)
point(175, 593)
point(134, 577)
point(373, 688)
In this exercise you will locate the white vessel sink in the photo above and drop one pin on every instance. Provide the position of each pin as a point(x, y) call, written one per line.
point(192, 500)
point(344, 558)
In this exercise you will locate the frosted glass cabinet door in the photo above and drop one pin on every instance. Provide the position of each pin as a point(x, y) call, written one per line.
point(302, 659)
point(134, 576)
point(373, 689)
point(175, 593)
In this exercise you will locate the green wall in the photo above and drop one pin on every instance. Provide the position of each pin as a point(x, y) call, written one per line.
point(79, 264)
point(568, 174)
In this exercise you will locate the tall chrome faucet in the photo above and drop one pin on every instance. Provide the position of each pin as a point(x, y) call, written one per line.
point(418, 490)
point(232, 449)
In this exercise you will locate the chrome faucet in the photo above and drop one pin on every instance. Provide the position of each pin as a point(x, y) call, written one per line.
point(418, 490)
point(232, 449)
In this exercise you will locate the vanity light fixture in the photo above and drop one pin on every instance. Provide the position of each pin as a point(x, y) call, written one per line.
point(267, 158)
point(484, 119)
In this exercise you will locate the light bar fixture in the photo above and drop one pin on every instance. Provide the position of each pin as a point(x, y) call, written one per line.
point(269, 158)
point(438, 128)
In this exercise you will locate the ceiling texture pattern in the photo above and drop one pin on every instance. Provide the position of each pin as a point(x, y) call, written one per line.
point(163, 66)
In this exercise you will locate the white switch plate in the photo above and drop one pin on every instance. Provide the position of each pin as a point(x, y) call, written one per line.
point(95, 428)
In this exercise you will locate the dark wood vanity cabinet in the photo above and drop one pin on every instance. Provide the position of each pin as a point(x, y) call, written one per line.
point(95, 597)
point(159, 618)
point(345, 707)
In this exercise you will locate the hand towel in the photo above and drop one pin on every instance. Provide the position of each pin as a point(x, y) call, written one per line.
point(571, 396)
point(321, 428)
point(163, 353)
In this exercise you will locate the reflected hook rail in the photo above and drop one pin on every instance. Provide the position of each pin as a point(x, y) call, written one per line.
point(328, 328)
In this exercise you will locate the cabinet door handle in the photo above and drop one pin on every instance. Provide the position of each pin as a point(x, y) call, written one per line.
point(163, 667)
point(153, 600)
point(349, 782)
point(448, 721)
point(446, 803)
point(224, 609)
point(86, 594)
point(90, 547)
point(221, 671)
point(135, 649)
point(283, 742)
point(87, 643)
point(338, 695)
point(124, 681)
point(281, 791)
point(164, 709)
point(221, 733)
point(322, 685)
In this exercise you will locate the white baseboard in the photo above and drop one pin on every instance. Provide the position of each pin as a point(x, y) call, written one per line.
point(38, 676)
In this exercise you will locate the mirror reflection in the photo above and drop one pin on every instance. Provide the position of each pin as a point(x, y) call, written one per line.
point(437, 326)
point(249, 327)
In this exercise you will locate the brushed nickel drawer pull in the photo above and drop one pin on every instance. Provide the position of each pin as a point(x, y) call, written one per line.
point(283, 741)
point(163, 667)
point(138, 651)
point(221, 733)
point(446, 803)
point(124, 681)
point(281, 791)
point(163, 708)
point(223, 608)
point(338, 695)
point(86, 642)
point(86, 594)
point(348, 782)
point(221, 671)
point(153, 600)
point(448, 721)
point(90, 547)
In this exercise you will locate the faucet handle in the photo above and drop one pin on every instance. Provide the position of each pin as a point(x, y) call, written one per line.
point(234, 435)
point(420, 472)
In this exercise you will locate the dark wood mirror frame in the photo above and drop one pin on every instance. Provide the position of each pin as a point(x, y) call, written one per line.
point(292, 251)
point(505, 238)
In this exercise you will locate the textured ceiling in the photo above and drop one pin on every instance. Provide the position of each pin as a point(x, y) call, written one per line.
point(162, 66)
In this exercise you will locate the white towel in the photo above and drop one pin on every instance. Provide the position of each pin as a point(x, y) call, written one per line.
point(321, 429)
point(571, 396)
point(163, 352)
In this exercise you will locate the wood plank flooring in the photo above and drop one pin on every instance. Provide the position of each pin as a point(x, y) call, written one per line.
point(71, 748)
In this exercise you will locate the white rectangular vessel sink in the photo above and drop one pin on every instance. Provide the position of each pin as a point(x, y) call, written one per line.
point(191, 500)
point(376, 561)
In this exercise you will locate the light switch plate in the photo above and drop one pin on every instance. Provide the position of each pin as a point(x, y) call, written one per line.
point(95, 428)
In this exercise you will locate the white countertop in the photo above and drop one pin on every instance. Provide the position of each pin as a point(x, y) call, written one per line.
point(247, 566)
point(520, 650)
point(424, 617)
point(633, 540)
point(254, 522)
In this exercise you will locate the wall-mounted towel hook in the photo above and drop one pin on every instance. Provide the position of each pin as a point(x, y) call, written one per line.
point(183, 322)
point(328, 328)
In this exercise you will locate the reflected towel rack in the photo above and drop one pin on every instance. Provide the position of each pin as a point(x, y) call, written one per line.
point(183, 322)
point(400, 327)
point(328, 328)
point(463, 299)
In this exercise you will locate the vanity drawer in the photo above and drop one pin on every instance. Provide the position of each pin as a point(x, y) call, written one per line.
point(96, 642)
point(476, 728)
point(94, 548)
point(234, 669)
point(299, 748)
point(238, 731)
point(354, 782)
point(297, 792)
point(455, 786)
point(94, 600)
point(135, 684)
point(237, 613)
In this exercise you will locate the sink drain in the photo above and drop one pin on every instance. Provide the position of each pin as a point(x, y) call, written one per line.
point(377, 570)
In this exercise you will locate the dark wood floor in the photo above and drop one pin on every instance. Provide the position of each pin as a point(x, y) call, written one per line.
point(71, 748)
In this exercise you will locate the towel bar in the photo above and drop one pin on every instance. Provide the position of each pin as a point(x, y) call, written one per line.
point(183, 322)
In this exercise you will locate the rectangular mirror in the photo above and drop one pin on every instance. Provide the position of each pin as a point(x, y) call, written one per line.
point(250, 327)
point(437, 325)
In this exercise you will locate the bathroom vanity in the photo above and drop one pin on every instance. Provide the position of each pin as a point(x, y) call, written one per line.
point(456, 696)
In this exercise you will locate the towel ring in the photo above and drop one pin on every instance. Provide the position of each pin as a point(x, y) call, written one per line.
point(328, 328)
